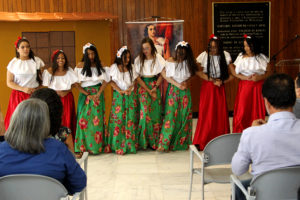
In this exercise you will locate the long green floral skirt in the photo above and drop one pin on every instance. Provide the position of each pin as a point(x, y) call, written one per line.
point(150, 115)
point(91, 127)
point(176, 132)
point(122, 125)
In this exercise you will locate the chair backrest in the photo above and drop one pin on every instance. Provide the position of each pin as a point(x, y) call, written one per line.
point(220, 150)
point(282, 183)
point(31, 187)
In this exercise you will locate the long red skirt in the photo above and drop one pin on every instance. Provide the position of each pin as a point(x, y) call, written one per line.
point(249, 105)
point(16, 97)
point(69, 115)
point(213, 118)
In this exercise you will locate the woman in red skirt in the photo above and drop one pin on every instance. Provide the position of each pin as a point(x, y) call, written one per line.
point(60, 77)
point(23, 76)
point(213, 118)
point(250, 68)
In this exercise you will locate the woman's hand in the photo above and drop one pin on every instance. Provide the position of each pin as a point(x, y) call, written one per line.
point(28, 90)
point(153, 95)
point(183, 85)
point(62, 93)
point(218, 82)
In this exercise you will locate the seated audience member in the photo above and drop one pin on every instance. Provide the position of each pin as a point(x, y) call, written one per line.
point(27, 149)
point(296, 109)
point(273, 144)
point(55, 106)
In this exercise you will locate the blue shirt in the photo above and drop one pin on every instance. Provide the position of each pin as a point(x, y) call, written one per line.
point(56, 162)
point(269, 146)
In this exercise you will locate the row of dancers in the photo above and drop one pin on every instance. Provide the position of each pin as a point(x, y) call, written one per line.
point(136, 120)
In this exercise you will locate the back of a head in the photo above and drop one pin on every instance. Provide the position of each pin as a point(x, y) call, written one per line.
point(29, 126)
point(279, 89)
point(55, 107)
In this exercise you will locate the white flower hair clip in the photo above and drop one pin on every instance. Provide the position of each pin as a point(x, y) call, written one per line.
point(181, 43)
point(87, 45)
point(120, 51)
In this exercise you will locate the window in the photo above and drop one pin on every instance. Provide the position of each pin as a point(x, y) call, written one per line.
point(44, 43)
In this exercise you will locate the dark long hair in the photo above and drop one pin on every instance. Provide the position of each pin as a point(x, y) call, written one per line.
point(254, 45)
point(222, 61)
point(31, 56)
point(120, 61)
point(55, 65)
point(153, 52)
point(87, 62)
point(54, 105)
point(188, 56)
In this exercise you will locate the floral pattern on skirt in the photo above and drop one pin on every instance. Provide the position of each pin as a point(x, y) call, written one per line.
point(150, 115)
point(91, 125)
point(176, 133)
point(123, 121)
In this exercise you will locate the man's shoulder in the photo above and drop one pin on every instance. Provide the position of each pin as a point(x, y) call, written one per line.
point(255, 129)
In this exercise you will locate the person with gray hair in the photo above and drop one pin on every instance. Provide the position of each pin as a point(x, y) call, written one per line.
point(29, 150)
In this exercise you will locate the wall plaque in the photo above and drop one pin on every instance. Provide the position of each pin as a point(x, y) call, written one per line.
point(232, 20)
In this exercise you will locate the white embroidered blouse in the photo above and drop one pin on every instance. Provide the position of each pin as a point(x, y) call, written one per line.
point(25, 71)
point(60, 82)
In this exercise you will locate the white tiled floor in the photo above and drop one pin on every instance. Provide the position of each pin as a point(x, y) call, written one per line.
point(147, 175)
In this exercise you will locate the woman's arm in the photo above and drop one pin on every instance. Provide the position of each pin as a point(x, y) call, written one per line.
point(103, 86)
point(143, 84)
point(116, 87)
point(257, 77)
point(11, 84)
point(81, 90)
point(129, 90)
point(239, 76)
point(172, 81)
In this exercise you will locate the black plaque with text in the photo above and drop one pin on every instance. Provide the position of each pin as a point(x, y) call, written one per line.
point(233, 20)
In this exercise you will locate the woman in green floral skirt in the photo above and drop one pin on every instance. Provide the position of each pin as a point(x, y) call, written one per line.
point(123, 120)
point(91, 127)
point(149, 65)
point(176, 133)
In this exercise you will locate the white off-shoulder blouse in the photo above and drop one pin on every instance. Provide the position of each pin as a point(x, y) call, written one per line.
point(150, 68)
point(25, 71)
point(178, 71)
point(122, 79)
point(86, 81)
point(251, 65)
point(215, 70)
point(60, 82)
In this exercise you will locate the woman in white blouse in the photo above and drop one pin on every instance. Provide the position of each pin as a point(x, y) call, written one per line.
point(23, 76)
point(91, 125)
point(123, 120)
point(60, 77)
point(176, 132)
point(251, 69)
point(148, 66)
point(213, 118)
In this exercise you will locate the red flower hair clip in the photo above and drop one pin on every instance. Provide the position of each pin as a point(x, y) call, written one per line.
point(246, 36)
point(212, 36)
point(16, 42)
point(54, 53)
